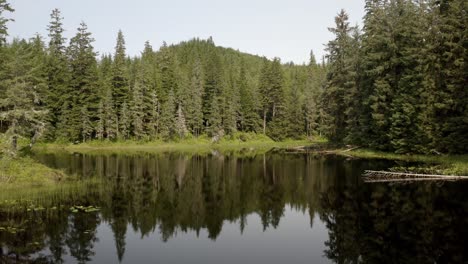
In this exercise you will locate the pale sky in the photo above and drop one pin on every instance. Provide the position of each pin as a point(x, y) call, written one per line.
point(287, 29)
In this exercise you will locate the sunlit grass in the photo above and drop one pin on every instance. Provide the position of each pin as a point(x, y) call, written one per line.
point(236, 142)
point(24, 172)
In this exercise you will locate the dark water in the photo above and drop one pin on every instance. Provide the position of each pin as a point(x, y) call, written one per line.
point(273, 208)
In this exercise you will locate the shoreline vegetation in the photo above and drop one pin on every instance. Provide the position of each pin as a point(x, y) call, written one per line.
point(23, 177)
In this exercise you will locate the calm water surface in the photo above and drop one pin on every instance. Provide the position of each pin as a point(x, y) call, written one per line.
point(272, 208)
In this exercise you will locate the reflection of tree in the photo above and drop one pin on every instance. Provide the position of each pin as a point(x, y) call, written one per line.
point(178, 193)
point(82, 236)
point(418, 223)
point(57, 228)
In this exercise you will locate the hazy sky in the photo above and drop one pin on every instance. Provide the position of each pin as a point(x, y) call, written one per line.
point(288, 29)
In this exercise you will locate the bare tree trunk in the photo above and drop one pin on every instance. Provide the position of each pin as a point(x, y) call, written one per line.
point(264, 121)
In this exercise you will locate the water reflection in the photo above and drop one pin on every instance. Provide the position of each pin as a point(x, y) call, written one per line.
point(181, 197)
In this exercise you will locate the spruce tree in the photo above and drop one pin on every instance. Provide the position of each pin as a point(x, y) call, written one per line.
point(213, 87)
point(83, 82)
point(167, 124)
point(137, 110)
point(4, 7)
point(193, 103)
point(249, 119)
point(180, 123)
point(58, 76)
point(20, 106)
point(124, 122)
point(338, 77)
point(119, 79)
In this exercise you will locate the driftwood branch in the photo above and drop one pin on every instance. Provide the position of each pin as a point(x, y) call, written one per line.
point(370, 176)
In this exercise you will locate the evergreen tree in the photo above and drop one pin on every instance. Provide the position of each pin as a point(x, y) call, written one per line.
point(214, 122)
point(86, 125)
point(181, 127)
point(193, 101)
point(271, 90)
point(449, 75)
point(111, 124)
point(338, 77)
point(249, 119)
point(58, 76)
point(100, 126)
point(4, 7)
point(230, 109)
point(20, 106)
point(124, 122)
point(167, 125)
point(119, 80)
point(137, 109)
point(212, 89)
point(83, 82)
point(168, 76)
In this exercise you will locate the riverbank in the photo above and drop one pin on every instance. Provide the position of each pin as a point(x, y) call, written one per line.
point(24, 172)
point(257, 143)
point(433, 164)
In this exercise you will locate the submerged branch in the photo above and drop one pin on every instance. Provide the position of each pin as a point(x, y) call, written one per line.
point(370, 176)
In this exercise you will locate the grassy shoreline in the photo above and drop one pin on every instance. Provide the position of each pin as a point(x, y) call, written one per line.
point(193, 145)
point(438, 164)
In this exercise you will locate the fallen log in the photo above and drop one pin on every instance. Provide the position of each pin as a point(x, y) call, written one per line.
point(388, 176)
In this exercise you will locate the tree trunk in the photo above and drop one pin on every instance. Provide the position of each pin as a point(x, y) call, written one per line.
point(264, 121)
point(14, 143)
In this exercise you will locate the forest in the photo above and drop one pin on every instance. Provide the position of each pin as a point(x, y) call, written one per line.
point(397, 83)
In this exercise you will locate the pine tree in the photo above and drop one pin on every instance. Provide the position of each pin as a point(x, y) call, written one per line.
point(4, 7)
point(271, 90)
point(100, 126)
point(111, 124)
point(119, 80)
point(230, 110)
point(168, 76)
point(83, 82)
point(213, 87)
point(167, 125)
point(449, 75)
point(409, 103)
point(124, 122)
point(312, 96)
point(58, 76)
point(181, 127)
point(21, 106)
point(137, 110)
point(214, 122)
point(153, 124)
point(338, 78)
point(86, 125)
point(191, 99)
point(249, 119)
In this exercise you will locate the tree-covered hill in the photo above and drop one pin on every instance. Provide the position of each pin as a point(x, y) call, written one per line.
point(396, 84)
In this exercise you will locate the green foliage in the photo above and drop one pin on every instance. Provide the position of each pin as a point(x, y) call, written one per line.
point(396, 85)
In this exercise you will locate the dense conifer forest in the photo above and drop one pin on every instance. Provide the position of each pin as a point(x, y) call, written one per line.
point(396, 83)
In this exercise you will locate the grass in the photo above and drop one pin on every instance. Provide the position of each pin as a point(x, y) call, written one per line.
point(440, 164)
point(236, 142)
point(24, 172)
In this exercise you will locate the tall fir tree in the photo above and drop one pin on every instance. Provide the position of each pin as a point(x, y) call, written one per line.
point(20, 106)
point(338, 77)
point(58, 75)
point(119, 79)
point(83, 84)
point(249, 119)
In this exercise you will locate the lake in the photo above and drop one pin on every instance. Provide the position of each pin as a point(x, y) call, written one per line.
point(236, 208)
